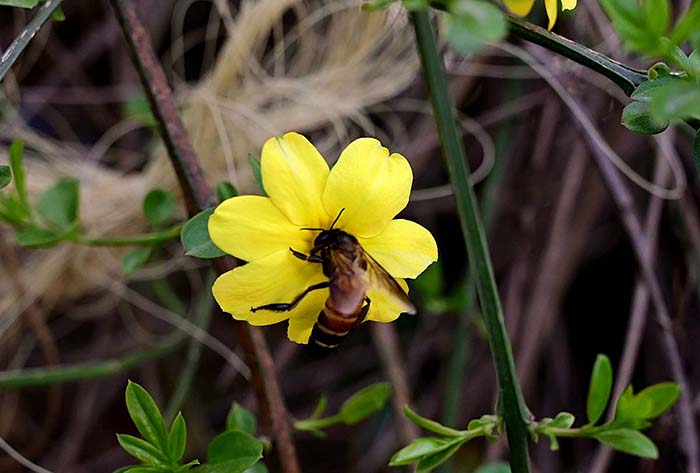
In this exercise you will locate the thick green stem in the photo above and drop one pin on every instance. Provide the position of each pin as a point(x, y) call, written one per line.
point(514, 410)
point(137, 240)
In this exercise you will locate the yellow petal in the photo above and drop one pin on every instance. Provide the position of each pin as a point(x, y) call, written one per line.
point(300, 326)
point(250, 227)
point(383, 308)
point(551, 7)
point(278, 278)
point(519, 7)
point(371, 185)
point(568, 4)
point(294, 174)
point(403, 248)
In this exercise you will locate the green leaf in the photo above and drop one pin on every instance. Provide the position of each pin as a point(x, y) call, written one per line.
point(17, 167)
point(632, 411)
point(374, 5)
point(158, 206)
point(364, 403)
point(142, 450)
point(565, 420)
point(225, 190)
point(676, 101)
point(257, 172)
point(177, 438)
point(58, 15)
point(658, 398)
point(195, 237)
point(686, 25)
point(146, 415)
point(430, 425)
point(599, 389)
point(657, 14)
point(19, 3)
point(138, 109)
point(240, 418)
point(135, 258)
point(5, 176)
point(422, 447)
point(629, 441)
point(320, 407)
point(259, 467)
point(473, 23)
point(37, 238)
point(430, 462)
point(498, 467)
point(58, 205)
point(233, 452)
point(638, 118)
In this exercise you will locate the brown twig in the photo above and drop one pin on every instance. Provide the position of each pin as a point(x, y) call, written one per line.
point(640, 304)
point(387, 345)
point(198, 196)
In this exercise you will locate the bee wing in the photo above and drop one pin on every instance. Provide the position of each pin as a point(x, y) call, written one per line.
point(381, 280)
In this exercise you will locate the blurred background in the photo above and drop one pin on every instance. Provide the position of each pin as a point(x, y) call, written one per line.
point(243, 71)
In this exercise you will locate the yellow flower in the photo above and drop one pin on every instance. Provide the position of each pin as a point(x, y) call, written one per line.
point(523, 7)
point(371, 186)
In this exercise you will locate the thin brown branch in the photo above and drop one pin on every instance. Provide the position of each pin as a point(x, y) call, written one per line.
point(198, 196)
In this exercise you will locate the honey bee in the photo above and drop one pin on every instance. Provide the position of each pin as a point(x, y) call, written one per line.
point(351, 272)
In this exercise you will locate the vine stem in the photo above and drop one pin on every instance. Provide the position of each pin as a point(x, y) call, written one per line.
point(198, 197)
point(511, 400)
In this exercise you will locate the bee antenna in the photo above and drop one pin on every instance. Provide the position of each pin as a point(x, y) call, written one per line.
point(337, 218)
point(313, 229)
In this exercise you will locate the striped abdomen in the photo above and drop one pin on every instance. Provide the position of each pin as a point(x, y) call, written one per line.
point(332, 325)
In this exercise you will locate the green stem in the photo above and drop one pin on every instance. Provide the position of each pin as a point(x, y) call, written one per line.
point(317, 424)
point(138, 240)
point(514, 410)
point(624, 76)
point(22, 41)
point(81, 371)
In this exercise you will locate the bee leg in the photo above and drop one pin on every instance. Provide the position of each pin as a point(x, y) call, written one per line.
point(363, 312)
point(284, 307)
point(303, 257)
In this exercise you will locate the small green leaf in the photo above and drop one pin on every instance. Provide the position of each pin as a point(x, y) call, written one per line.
point(177, 438)
point(320, 407)
point(638, 118)
point(146, 415)
point(17, 167)
point(5, 176)
point(659, 398)
point(58, 205)
point(430, 425)
point(19, 3)
point(565, 420)
point(240, 418)
point(629, 441)
point(138, 109)
point(676, 101)
point(195, 237)
point(420, 448)
point(233, 452)
point(599, 389)
point(37, 238)
point(225, 190)
point(158, 206)
point(58, 15)
point(430, 462)
point(142, 450)
point(135, 258)
point(257, 172)
point(364, 403)
point(473, 23)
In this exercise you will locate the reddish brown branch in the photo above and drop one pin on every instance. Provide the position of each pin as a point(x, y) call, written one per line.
point(198, 196)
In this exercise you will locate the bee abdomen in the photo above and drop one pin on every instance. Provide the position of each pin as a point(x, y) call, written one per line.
point(331, 327)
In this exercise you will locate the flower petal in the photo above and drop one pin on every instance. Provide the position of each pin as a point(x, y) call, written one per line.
point(403, 248)
point(300, 326)
point(371, 185)
point(250, 227)
point(551, 7)
point(278, 278)
point(568, 4)
point(294, 174)
point(519, 7)
point(383, 308)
